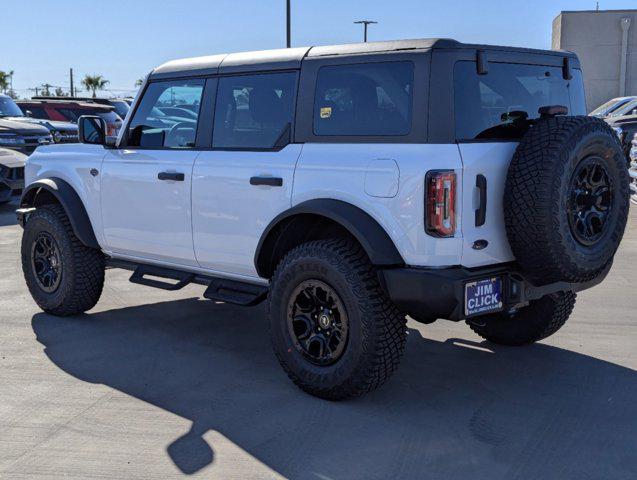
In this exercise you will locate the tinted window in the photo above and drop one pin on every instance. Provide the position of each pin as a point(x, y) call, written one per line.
point(365, 99)
point(497, 105)
point(36, 112)
point(254, 111)
point(8, 108)
point(151, 128)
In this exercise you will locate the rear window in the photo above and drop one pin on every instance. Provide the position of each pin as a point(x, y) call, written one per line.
point(496, 105)
point(364, 99)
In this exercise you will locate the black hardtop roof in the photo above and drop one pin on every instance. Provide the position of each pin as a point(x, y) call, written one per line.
point(291, 58)
point(72, 102)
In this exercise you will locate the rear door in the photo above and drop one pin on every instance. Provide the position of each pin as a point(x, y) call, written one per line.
point(146, 184)
point(246, 179)
point(492, 112)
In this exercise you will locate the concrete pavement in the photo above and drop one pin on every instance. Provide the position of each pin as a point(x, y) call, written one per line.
point(155, 384)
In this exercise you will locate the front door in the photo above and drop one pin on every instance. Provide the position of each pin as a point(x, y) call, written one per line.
point(146, 184)
point(246, 179)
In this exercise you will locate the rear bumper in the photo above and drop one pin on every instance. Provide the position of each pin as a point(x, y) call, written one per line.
point(439, 293)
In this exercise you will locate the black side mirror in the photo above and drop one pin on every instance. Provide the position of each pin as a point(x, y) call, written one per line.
point(92, 130)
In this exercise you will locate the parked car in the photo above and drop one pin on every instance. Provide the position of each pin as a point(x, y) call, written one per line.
point(119, 104)
point(629, 108)
point(71, 110)
point(349, 186)
point(633, 170)
point(17, 135)
point(61, 132)
point(11, 174)
point(607, 108)
point(625, 127)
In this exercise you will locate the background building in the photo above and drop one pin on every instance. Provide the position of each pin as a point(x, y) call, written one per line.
point(606, 43)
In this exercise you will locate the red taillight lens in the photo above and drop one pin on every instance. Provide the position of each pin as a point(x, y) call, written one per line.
point(440, 204)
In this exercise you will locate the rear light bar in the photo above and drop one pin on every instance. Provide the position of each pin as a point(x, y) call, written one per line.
point(440, 203)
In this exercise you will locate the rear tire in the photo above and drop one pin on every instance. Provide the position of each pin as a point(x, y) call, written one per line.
point(64, 276)
point(372, 332)
point(540, 319)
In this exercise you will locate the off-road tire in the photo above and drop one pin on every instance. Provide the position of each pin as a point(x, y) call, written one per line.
point(537, 193)
point(377, 330)
point(82, 277)
point(540, 319)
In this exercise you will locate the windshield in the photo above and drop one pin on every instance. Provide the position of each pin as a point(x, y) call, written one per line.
point(609, 106)
point(8, 108)
point(500, 104)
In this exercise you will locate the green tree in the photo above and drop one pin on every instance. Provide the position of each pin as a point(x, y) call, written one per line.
point(46, 90)
point(59, 92)
point(5, 80)
point(94, 83)
point(139, 82)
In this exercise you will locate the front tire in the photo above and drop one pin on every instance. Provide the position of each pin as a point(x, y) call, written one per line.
point(64, 276)
point(333, 329)
point(538, 320)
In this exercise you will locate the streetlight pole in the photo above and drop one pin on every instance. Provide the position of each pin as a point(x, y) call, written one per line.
point(288, 21)
point(365, 23)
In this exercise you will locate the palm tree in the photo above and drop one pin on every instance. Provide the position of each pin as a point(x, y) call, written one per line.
point(94, 83)
point(4, 80)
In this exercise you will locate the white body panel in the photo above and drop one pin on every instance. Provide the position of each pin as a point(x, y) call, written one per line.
point(491, 160)
point(339, 171)
point(229, 214)
point(72, 163)
point(143, 216)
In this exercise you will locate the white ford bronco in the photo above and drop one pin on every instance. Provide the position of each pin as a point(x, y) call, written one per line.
point(349, 186)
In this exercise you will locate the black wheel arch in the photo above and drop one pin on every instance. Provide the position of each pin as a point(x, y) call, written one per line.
point(56, 190)
point(338, 216)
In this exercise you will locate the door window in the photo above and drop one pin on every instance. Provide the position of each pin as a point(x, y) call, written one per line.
point(364, 99)
point(254, 111)
point(155, 125)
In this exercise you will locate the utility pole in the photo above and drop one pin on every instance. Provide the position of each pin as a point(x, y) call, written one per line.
point(365, 23)
point(71, 78)
point(288, 22)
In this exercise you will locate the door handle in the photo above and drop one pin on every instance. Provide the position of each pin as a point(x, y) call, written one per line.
point(174, 176)
point(481, 211)
point(269, 181)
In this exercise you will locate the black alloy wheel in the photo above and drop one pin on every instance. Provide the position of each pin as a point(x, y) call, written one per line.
point(591, 200)
point(317, 322)
point(46, 262)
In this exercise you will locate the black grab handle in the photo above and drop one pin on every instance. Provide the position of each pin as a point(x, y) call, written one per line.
point(269, 181)
point(177, 177)
point(481, 211)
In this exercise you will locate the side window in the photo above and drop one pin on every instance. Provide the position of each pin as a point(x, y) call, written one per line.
point(254, 111)
point(364, 99)
point(159, 122)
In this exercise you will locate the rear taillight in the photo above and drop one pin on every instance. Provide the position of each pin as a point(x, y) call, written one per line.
point(440, 203)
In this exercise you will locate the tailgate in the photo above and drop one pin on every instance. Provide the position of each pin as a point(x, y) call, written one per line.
point(484, 170)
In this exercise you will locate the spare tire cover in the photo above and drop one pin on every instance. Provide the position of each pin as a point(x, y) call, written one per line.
point(566, 199)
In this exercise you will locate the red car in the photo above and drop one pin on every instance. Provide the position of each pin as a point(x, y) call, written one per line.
point(70, 111)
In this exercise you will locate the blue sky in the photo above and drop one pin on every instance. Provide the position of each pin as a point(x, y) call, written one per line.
point(124, 39)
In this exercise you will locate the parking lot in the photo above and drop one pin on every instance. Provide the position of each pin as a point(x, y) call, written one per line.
point(154, 384)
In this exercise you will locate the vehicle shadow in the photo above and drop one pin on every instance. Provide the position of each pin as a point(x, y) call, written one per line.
point(7, 213)
point(455, 409)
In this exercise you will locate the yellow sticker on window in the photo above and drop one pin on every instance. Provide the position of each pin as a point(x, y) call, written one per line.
point(326, 112)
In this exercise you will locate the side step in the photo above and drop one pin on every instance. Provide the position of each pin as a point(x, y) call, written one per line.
point(231, 291)
point(220, 289)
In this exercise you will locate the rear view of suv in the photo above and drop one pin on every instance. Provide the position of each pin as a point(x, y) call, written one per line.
point(348, 186)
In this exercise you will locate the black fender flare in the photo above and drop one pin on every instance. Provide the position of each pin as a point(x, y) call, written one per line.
point(363, 227)
point(71, 202)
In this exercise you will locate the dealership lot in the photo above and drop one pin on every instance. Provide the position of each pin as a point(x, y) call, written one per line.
point(163, 384)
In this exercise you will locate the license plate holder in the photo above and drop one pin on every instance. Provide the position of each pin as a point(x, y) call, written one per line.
point(483, 296)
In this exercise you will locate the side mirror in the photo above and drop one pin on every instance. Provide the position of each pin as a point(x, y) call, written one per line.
point(28, 113)
point(92, 130)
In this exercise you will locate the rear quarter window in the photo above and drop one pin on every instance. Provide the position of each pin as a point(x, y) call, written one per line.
point(364, 99)
point(497, 105)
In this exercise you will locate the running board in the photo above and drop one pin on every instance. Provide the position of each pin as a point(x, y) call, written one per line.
point(219, 289)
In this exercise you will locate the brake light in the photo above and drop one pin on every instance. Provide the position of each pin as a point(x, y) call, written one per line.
point(440, 203)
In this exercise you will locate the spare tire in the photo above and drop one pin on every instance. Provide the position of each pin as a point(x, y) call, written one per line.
point(566, 199)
